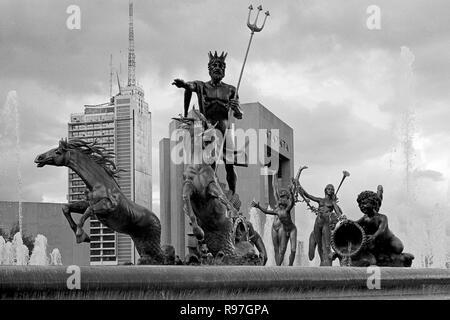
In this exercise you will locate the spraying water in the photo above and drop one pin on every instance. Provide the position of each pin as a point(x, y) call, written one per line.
point(11, 115)
point(55, 257)
point(415, 234)
point(39, 256)
point(2, 250)
point(438, 238)
point(406, 97)
point(423, 226)
point(21, 252)
point(267, 238)
point(8, 257)
point(16, 253)
point(255, 219)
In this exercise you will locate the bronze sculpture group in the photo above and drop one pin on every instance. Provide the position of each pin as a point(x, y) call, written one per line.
point(223, 234)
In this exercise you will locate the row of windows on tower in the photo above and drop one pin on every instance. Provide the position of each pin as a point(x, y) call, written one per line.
point(91, 126)
point(111, 237)
point(103, 252)
point(103, 245)
point(97, 133)
point(101, 231)
point(82, 118)
point(99, 259)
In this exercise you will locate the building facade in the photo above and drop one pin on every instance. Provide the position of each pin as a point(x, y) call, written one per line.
point(122, 126)
point(254, 181)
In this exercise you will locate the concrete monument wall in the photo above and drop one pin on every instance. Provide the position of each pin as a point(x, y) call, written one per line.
point(251, 183)
point(46, 219)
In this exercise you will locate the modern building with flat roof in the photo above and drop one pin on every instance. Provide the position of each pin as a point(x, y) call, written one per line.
point(252, 183)
point(122, 126)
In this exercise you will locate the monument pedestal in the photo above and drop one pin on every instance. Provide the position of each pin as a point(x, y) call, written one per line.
point(222, 282)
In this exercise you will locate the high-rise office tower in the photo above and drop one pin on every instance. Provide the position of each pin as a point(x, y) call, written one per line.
point(123, 126)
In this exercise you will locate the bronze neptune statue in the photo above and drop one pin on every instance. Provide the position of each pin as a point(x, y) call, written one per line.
point(215, 99)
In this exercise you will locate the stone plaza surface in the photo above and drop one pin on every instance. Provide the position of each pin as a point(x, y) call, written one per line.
point(224, 282)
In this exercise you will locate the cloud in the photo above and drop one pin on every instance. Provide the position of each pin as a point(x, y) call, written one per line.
point(331, 134)
point(315, 65)
point(428, 174)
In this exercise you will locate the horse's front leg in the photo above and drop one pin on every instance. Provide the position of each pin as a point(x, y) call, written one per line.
point(188, 190)
point(76, 207)
point(81, 235)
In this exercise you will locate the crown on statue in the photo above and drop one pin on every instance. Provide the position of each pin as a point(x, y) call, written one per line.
point(214, 57)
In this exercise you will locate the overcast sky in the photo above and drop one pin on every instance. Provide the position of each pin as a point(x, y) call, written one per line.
point(347, 91)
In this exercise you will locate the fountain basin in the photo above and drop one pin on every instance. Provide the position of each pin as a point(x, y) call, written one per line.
point(230, 282)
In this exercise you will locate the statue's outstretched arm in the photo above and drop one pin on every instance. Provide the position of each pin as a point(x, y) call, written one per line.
point(276, 191)
point(189, 87)
point(180, 83)
point(267, 211)
point(307, 195)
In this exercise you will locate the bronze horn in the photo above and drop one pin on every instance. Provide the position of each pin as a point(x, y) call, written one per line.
point(348, 238)
point(345, 175)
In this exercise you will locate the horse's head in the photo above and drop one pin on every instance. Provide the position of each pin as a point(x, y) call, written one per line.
point(53, 157)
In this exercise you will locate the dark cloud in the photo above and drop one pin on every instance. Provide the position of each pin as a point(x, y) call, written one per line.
point(55, 71)
point(178, 34)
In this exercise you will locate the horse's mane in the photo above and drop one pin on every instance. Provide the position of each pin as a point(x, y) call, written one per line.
point(96, 153)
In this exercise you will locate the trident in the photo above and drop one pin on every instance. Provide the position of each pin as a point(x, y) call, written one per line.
point(253, 28)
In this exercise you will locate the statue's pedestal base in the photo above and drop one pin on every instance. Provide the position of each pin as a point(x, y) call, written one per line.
point(395, 260)
point(221, 282)
point(365, 259)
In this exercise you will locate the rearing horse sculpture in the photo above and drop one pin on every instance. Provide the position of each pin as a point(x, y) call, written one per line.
point(209, 210)
point(105, 200)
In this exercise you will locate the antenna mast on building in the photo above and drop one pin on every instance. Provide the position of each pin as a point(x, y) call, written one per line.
point(131, 55)
point(118, 84)
point(111, 74)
